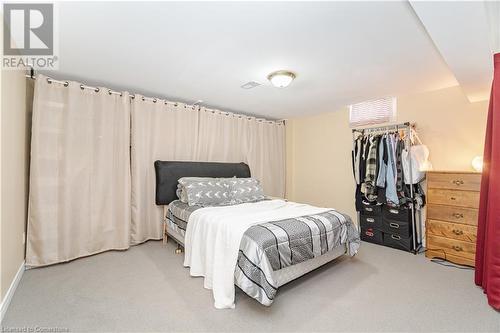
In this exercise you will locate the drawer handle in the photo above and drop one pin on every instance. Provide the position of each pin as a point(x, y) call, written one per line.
point(457, 232)
point(458, 182)
point(369, 233)
point(393, 211)
point(394, 225)
point(458, 215)
point(369, 219)
point(396, 237)
point(457, 248)
point(368, 209)
point(453, 198)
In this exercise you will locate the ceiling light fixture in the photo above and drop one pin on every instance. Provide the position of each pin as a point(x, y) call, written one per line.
point(281, 79)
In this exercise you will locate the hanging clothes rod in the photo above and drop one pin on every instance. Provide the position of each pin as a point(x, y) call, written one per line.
point(401, 126)
point(50, 80)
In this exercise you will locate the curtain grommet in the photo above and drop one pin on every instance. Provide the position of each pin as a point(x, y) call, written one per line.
point(97, 90)
point(154, 100)
point(49, 81)
point(109, 92)
point(66, 83)
point(143, 98)
point(82, 87)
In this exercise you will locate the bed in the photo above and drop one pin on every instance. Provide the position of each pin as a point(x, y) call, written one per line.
point(258, 246)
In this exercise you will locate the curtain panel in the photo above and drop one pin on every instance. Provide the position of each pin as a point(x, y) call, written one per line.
point(79, 200)
point(159, 132)
point(487, 274)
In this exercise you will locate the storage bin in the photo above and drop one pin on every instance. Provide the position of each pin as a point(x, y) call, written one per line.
point(398, 242)
point(371, 221)
point(396, 213)
point(371, 210)
point(372, 235)
point(396, 227)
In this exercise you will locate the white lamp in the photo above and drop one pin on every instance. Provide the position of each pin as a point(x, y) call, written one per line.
point(477, 163)
point(281, 79)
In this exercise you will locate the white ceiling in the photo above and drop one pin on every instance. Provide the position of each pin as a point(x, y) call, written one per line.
point(342, 52)
point(461, 33)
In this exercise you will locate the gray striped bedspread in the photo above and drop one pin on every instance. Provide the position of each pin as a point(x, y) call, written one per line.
point(272, 246)
point(275, 245)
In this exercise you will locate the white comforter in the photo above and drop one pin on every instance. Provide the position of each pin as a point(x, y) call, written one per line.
point(213, 237)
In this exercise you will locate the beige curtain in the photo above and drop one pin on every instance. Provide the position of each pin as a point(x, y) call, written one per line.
point(79, 201)
point(223, 137)
point(159, 132)
point(183, 133)
point(266, 155)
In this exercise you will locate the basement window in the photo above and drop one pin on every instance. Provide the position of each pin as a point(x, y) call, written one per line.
point(372, 112)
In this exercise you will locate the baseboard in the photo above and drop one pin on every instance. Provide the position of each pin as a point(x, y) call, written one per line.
point(12, 289)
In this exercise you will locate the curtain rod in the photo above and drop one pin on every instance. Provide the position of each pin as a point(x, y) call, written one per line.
point(50, 80)
point(399, 126)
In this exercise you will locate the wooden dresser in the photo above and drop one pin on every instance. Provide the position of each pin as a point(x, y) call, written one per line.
point(451, 226)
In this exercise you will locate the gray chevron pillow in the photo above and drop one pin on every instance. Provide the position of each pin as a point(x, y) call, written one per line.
point(181, 186)
point(245, 190)
point(204, 191)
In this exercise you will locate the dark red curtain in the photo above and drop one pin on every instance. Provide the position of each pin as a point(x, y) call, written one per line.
point(488, 232)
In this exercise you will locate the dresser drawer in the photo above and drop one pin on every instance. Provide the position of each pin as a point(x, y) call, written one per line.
point(453, 198)
point(453, 181)
point(450, 257)
point(451, 246)
point(462, 232)
point(452, 214)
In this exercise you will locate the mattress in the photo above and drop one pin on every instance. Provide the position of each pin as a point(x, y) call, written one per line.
point(178, 216)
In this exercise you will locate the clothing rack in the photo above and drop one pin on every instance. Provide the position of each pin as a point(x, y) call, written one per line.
point(409, 128)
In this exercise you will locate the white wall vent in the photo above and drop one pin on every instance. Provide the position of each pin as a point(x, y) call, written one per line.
point(250, 85)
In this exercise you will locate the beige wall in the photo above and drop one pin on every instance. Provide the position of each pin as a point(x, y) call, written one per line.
point(15, 129)
point(319, 147)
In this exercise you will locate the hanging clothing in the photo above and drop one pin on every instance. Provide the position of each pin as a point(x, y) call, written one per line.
point(390, 179)
point(399, 169)
point(368, 187)
point(356, 158)
point(382, 163)
point(360, 166)
point(378, 170)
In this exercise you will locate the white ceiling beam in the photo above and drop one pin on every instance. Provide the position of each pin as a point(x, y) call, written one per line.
point(461, 34)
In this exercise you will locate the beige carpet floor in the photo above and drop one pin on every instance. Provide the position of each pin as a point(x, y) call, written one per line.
point(146, 289)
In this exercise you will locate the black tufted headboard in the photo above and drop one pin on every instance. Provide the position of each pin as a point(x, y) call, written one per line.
point(169, 172)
